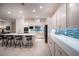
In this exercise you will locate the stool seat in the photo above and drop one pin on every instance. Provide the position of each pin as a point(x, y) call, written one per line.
point(19, 41)
point(29, 41)
point(10, 40)
point(1, 37)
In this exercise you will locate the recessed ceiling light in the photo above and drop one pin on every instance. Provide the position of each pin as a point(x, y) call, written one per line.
point(21, 11)
point(41, 7)
point(34, 10)
point(9, 12)
point(71, 4)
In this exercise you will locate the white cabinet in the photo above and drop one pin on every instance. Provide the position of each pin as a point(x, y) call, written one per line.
point(49, 42)
point(55, 49)
point(61, 16)
point(51, 45)
point(72, 15)
point(54, 24)
point(59, 51)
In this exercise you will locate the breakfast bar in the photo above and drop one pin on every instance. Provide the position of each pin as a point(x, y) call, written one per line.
point(18, 39)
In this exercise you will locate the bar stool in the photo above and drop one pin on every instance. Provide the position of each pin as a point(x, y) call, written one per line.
point(2, 39)
point(19, 41)
point(10, 40)
point(29, 41)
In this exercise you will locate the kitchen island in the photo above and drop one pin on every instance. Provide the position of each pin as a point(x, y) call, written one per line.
point(33, 34)
point(23, 36)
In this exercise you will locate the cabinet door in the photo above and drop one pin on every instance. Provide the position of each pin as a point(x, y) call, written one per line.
point(51, 45)
point(61, 17)
point(49, 42)
point(59, 51)
point(54, 24)
point(72, 15)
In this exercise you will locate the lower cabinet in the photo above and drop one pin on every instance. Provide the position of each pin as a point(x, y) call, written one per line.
point(55, 49)
point(59, 51)
point(52, 48)
point(51, 45)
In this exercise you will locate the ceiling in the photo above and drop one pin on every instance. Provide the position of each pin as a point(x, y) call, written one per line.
point(26, 10)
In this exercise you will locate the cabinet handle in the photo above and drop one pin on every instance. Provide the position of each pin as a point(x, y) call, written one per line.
point(60, 52)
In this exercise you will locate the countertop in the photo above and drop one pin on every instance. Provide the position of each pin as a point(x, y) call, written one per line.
point(68, 44)
point(19, 34)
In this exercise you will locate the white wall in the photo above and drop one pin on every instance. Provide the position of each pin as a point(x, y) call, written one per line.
point(49, 22)
point(19, 25)
point(1, 24)
point(34, 22)
point(7, 23)
point(4, 23)
point(73, 15)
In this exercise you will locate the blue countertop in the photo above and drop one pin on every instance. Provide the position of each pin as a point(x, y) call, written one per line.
point(72, 43)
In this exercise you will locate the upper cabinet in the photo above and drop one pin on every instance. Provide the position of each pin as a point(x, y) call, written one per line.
point(73, 15)
point(59, 18)
point(67, 15)
point(54, 21)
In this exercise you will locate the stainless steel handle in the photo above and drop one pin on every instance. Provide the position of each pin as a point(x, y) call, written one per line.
point(60, 52)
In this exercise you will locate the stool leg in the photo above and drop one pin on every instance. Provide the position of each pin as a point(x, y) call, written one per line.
point(25, 43)
point(14, 43)
point(6, 43)
point(2, 42)
point(11, 42)
point(31, 43)
point(20, 43)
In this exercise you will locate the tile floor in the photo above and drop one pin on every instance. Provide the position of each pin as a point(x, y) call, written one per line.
point(40, 48)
